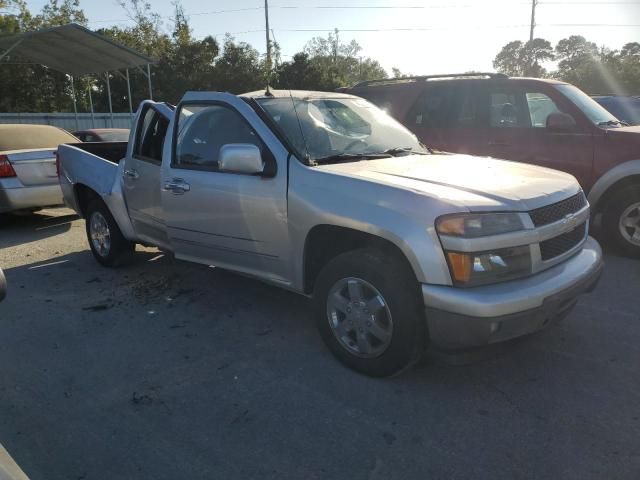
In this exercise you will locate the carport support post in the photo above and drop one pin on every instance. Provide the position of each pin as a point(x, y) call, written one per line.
point(93, 118)
point(149, 80)
point(129, 92)
point(109, 97)
point(75, 105)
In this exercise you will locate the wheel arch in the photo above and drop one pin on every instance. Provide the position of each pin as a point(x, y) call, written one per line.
point(324, 242)
point(84, 195)
point(621, 176)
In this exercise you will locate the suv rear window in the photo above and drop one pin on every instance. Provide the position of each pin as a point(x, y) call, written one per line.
point(445, 106)
point(26, 137)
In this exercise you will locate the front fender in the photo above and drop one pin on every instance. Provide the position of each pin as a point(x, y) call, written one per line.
point(403, 218)
point(610, 178)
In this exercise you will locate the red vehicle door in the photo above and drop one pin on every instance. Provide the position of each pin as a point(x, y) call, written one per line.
point(517, 130)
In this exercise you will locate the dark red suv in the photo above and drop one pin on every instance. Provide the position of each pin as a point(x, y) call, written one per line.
point(544, 122)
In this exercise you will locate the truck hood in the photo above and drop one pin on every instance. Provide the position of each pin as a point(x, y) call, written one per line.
point(475, 183)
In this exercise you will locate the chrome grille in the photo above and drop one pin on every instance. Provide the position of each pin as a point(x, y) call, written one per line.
point(557, 211)
point(556, 246)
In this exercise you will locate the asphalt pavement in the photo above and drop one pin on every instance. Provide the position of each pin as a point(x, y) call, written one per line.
point(167, 370)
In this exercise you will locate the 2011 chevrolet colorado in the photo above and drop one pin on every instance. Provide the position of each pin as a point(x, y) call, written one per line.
point(326, 195)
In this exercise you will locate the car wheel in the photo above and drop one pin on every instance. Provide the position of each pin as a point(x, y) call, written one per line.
point(107, 243)
point(369, 313)
point(621, 221)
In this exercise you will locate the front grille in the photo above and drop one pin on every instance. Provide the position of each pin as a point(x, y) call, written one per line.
point(557, 211)
point(556, 246)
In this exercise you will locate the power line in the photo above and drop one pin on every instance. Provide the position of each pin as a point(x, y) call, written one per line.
point(448, 27)
point(615, 2)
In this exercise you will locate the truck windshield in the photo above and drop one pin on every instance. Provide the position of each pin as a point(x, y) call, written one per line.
point(594, 111)
point(339, 129)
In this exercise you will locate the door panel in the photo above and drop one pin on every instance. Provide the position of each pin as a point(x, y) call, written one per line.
point(517, 131)
point(235, 221)
point(141, 177)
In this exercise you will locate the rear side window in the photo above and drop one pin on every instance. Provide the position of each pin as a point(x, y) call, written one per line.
point(464, 107)
point(508, 110)
point(151, 134)
point(431, 110)
point(379, 97)
point(204, 129)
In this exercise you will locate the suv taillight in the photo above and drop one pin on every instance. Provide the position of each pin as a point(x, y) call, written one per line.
point(6, 170)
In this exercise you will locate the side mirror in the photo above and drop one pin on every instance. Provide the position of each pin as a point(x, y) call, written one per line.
point(3, 285)
point(240, 158)
point(560, 122)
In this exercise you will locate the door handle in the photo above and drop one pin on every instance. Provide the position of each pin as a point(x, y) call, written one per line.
point(498, 144)
point(176, 186)
point(131, 173)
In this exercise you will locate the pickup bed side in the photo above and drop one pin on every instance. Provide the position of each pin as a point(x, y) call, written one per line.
point(84, 175)
point(89, 170)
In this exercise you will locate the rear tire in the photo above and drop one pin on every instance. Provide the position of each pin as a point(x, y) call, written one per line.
point(369, 313)
point(108, 245)
point(621, 221)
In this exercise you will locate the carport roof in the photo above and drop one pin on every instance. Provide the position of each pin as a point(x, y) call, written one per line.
point(72, 49)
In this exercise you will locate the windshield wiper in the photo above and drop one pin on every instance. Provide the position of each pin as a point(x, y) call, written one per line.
point(613, 122)
point(396, 151)
point(351, 157)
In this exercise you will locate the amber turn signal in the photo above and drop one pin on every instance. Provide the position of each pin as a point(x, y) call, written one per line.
point(460, 264)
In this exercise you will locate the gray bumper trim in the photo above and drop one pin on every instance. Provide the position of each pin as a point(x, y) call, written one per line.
point(518, 295)
point(523, 307)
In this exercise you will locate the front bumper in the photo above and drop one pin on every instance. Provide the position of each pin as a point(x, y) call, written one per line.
point(460, 318)
point(20, 198)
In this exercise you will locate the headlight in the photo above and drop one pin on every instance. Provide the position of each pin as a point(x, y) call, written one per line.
point(473, 225)
point(473, 269)
point(470, 269)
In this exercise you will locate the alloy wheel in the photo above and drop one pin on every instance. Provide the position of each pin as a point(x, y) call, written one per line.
point(100, 234)
point(629, 224)
point(359, 317)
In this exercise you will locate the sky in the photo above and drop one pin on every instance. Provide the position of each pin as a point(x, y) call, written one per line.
point(418, 37)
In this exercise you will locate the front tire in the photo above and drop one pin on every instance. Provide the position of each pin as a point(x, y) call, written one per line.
point(368, 311)
point(621, 221)
point(108, 245)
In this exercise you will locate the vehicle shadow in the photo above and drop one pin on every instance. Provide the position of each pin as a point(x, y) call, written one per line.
point(19, 229)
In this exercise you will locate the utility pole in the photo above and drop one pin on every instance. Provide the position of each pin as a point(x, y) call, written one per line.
point(266, 20)
point(534, 4)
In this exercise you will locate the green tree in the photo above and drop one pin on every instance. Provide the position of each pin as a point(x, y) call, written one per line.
point(300, 73)
point(520, 59)
point(239, 68)
point(326, 63)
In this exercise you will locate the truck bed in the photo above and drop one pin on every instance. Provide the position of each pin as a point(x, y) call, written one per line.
point(94, 165)
point(111, 151)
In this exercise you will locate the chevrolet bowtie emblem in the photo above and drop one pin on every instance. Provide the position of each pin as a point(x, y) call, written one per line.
point(570, 220)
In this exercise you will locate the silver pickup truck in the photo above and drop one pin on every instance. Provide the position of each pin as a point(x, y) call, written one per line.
point(326, 195)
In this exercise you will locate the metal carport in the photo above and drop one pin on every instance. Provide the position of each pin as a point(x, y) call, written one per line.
point(76, 50)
